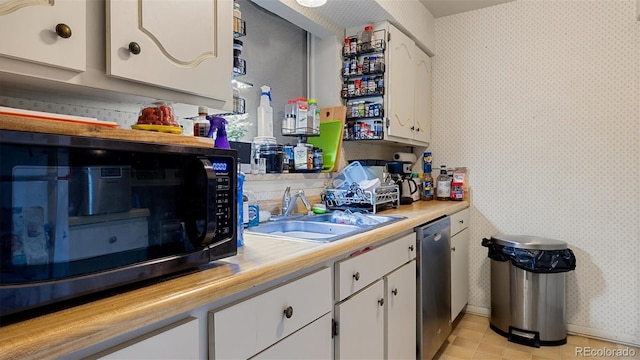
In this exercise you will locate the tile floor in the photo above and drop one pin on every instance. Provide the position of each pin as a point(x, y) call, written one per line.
point(473, 339)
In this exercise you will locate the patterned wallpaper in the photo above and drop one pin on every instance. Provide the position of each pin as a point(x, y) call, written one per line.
point(540, 100)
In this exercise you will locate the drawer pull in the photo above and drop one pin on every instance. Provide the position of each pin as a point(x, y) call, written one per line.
point(134, 48)
point(410, 247)
point(394, 292)
point(63, 30)
point(381, 301)
point(288, 312)
point(453, 248)
point(113, 239)
point(356, 275)
point(461, 221)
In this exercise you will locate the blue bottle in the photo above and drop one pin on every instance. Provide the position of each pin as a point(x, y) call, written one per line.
point(240, 226)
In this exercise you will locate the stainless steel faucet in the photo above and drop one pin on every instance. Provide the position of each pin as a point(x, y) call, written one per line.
point(289, 202)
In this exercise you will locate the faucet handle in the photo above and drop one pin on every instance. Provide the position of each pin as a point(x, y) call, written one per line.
point(286, 199)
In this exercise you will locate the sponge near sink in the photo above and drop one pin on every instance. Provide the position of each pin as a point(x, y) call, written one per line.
point(319, 208)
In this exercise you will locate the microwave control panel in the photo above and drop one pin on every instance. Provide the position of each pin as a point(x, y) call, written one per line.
point(225, 200)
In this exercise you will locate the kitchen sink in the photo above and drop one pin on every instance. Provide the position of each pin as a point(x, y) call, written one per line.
point(320, 228)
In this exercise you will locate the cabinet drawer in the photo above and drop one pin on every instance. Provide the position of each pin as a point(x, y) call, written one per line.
point(97, 239)
point(312, 342)
point(176, 341)
point(244, 329)
point(459, 221)
point(355, 273)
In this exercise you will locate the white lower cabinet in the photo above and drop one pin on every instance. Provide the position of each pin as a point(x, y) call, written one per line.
point(459, 262)
point(375, 309)
point(401, 312)
point(245, 329)
point(360, 319)
point(176, 341)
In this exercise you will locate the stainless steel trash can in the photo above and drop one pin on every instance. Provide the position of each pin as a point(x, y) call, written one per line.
point(528, 288)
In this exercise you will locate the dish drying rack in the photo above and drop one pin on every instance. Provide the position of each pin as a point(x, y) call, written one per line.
point(355, 198)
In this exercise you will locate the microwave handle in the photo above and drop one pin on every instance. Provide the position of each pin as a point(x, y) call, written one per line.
point(205, 236)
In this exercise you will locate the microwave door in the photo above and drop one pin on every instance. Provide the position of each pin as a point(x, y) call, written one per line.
point(200, 216)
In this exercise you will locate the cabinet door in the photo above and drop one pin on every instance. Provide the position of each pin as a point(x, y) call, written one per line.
point(459, 272)
point(361, 325)
point(401, 312)
point(422, 96)
point(401, 69)
point(311, 342)
point(185, 45)
point(28, 32)
point(176, 341)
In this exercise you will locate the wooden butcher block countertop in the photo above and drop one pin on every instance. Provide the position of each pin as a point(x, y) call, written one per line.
point(259, 261)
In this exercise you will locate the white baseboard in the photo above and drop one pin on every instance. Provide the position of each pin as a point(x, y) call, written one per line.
point(572, 329)
point(476, 310)
point(602, 335)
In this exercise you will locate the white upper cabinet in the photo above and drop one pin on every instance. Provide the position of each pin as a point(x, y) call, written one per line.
point(55, 33)
point(408, 95)
point(401, 73)
point(422, 98)
point(181, 45)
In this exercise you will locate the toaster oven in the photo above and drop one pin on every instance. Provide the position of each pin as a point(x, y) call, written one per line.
point(81, 215)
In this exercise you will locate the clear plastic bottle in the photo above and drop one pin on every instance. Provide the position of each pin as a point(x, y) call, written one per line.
point(313, 116)
point(237, 18)
point(366, 37)
point(289, 119)
point(443, 189)
point(300, 157)
point(427, 187)
point(200, 124)
point(253, 209)
point(301, 108)
point(240, 204)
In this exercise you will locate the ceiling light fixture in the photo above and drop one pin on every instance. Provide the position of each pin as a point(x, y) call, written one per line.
point(311, 3)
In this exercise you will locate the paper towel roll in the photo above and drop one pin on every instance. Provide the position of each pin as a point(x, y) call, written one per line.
point(405, 156)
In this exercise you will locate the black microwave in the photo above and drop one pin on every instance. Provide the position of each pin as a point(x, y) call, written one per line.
point(81, 215)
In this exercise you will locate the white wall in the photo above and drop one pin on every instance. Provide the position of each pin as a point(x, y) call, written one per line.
point(540, 100)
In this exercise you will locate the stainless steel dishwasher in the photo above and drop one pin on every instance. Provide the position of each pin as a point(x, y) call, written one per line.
point(434, 286)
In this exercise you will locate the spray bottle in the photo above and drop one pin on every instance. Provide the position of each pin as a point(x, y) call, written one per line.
point(265, 113)
point(218, 125)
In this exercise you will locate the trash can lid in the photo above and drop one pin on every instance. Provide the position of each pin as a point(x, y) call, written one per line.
point(529, 242)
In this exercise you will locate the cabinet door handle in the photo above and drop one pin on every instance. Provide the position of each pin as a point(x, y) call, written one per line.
point(410, 247)
point(461, 221)
point(356, 275)
point(394, 292)
point(417, 129)
point(63, 30)
point(453, 248)
point(134, 48)
point(381, 301)
point(288, 312)
point(113, 239)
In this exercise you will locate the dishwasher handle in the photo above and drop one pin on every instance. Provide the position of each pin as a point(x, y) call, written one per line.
point(434, 228)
